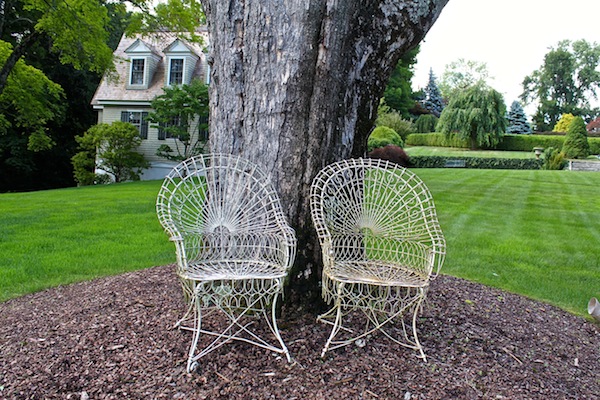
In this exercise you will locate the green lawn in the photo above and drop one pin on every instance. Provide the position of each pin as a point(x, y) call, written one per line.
point(457, 152)
point(531, 232)
point(55, 237)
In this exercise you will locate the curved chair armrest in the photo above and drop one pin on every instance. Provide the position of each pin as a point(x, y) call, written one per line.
point(290, 242)
point(438, 255)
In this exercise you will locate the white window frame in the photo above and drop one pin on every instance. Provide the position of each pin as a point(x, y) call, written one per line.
point(143, 72)
point(170, 83)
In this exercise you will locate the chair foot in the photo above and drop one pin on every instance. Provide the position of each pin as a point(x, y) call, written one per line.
point(192, 366)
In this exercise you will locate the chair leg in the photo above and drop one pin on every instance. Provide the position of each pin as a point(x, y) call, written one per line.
point(192, 363)
point(237, 328)
point(338, 319)
point(414, 328)
point(275, 329)
point(379, 322)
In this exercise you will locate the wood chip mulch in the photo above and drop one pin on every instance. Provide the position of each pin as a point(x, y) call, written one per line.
point(112, 338)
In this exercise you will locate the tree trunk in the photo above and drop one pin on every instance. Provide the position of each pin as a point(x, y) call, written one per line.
point(295, 85)
point(15, 56)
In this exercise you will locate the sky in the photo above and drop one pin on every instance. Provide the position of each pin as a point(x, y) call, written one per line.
point(510, 36)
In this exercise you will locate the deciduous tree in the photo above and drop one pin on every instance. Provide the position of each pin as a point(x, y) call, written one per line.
point(181, 112)
point(398, 93)
point(28, 103)
point(564, 83)
point(295, 85)
point(476, 114)
point(462, 74)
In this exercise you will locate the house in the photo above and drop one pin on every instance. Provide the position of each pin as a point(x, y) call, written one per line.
point(144, 66)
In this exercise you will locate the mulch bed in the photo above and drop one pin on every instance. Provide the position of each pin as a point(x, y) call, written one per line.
point(112, 338)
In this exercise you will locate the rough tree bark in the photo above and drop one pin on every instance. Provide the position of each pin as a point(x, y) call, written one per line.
point(295, 85)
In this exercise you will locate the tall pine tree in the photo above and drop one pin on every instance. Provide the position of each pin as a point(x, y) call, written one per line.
point(433, 97)
point(398, 93)
point(517, 120)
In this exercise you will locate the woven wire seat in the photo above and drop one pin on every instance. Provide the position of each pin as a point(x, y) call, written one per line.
point(381, 245)
point(234, 250)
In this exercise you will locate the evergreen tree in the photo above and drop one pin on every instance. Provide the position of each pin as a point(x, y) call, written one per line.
point(576, 144)
point(563, 123)
point(433, 97)
point(517, 120)
point(398, 93)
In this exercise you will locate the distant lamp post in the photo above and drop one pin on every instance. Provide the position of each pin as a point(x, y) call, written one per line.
point(538, 152)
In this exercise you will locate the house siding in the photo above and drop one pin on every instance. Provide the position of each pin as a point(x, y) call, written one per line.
point(113, 96)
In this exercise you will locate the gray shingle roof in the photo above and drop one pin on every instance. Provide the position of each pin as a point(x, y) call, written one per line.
point(113, 89)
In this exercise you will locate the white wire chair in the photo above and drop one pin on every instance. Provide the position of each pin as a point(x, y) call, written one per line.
point(381, 244)
point(234, 249)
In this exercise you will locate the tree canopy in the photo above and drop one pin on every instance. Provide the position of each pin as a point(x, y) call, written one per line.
point(181, 112)
point(462, 74)
point(71, 42)
point(398, 93)
point(564, 83)
point(29, 102)
point(476, 114)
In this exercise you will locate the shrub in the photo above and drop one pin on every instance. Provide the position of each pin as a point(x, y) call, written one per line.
point(508, 142)
point(426, 123)
point(576, 142)
point(84, 165)
point(115, 145)
point(436, 140)
point(394, 120)
point(528, 142)
point(594, 145)
point(554, 159)
point(563, 123)
point(476, 162)
point(382, 136)
point(391, 153)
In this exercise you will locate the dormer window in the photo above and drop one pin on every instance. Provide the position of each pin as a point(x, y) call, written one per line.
point(176, 71)
point(181, 61)
point(137, 71)
point(143, 60)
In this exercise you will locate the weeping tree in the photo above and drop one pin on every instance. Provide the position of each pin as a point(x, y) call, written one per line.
point(295, 85)
point(476, 114)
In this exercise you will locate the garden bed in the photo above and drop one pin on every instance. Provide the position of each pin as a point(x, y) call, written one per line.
point(112, 338)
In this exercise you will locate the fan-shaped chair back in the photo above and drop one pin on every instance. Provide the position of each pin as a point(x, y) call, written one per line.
point(234, 249)
point(223, 207)
point(371, 209)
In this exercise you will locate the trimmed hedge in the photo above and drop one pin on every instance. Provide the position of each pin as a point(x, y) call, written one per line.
point(435, 140)
point(476, 162)
point(507, 143)
point(528, 142)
